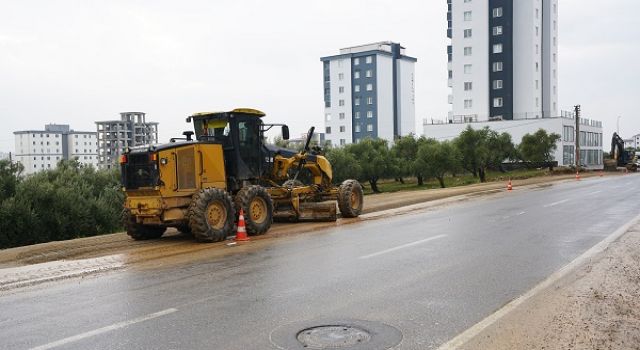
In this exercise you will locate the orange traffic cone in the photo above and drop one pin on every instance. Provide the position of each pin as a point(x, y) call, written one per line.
point(509, 186)
point(241, 236)
point(577, 175)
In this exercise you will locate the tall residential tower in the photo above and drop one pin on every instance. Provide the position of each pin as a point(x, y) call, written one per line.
point(503, 62)
point(131, 130)
point(369, 92)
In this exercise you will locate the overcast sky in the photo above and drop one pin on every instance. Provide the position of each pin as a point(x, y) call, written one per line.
point(75, 62)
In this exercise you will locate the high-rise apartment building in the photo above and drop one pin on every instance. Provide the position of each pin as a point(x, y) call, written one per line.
point(130, 131)
point(369, 91)
point(42, 149)
point(503, 59)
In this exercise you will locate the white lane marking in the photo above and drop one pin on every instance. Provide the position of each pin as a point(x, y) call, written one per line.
point(402, 247)
point(522, 213)
point(556, 203)
point(460, 340)
point(106, 329)
point(594, 192)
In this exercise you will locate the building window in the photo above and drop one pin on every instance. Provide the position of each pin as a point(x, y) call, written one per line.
point(343, 142)
point(497, 30)
point(369, 114)
point(340, 76)
point(341, 103)
point(327, 130)
point(369, 73)
point(356, 61)
point(497, 66)
point(467, 15)
point(467, 69)
point(327, 117)
point(468, 86)
point(357, 127)
point(357, 114)
point(537, 84)
point(369, 59)
point(356, 88)
point(497, 84)
point(341, 115)
point(468, 104)
point(369, 100)
point(498, 102)
point(468, 51)
point(369, 87)
point(468, 33)
point(356, 74)
point(342, 128)
point(341, 89)
point(497, 12)
point(537, 67)
point(357, 101)
point(497, 48)
point(537, 31)
point(369, 127)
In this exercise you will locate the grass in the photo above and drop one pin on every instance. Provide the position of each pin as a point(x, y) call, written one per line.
point(411, 184)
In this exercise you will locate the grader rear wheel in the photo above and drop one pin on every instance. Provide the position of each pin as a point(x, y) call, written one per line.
point(350, 200)
point(257, 206)
point(211, 215)
point(138, 231)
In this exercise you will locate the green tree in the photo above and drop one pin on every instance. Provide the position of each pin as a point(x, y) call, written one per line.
point(344, 165)
point(9, 178)
point(473, 150)
point(437, 159)
point(375, 159)
point(405, 150)
point(539, 147)
point(500, 148)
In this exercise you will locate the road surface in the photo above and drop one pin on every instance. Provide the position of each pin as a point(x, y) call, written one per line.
point(429, 275)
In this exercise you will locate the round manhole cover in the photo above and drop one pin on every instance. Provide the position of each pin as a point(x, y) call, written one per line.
point(335, 334)
point(332, 337)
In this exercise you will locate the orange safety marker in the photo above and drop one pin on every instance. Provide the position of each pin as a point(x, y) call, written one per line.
point(509, 186)
point(241, 236)
point(577, 175)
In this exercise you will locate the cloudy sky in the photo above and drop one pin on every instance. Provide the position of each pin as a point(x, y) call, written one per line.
point(75, 62)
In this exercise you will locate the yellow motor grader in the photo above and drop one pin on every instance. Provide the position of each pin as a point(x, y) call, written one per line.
point(199, 183)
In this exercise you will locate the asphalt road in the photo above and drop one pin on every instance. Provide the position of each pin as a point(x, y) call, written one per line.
point(430, 275)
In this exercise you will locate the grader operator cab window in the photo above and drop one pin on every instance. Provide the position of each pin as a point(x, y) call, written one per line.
point(249, 145)
point(213, 130)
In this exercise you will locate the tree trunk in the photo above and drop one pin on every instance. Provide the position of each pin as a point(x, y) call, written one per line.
point(374, 185)
point(401, 180)
point(441, 181)
point(483, 175)
point(420, 180)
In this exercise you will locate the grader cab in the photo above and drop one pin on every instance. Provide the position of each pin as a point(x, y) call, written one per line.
point(199, 185)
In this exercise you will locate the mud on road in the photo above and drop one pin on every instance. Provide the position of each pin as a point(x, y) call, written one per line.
point(119, 250)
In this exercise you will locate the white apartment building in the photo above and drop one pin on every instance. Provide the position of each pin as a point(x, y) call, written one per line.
point(39, 150)
point(592, 141)
point(632, 142)
point(369, 91)
point(503, 59)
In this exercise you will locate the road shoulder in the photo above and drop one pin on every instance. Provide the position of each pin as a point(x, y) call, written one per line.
point(594, 306)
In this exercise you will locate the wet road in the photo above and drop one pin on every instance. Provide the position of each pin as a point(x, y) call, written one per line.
point(430, 274)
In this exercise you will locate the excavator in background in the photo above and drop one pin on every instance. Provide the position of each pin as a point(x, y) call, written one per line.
point(620, 157)
point(200, 185)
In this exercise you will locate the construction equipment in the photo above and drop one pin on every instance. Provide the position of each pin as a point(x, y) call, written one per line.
point(621, 157)
point(199, 185)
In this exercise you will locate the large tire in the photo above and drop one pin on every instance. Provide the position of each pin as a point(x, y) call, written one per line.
point(138, 231)
point(350, 199)
point(211, 215)
point(257, 208)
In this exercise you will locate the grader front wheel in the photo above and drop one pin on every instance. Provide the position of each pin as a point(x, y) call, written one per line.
point(350, 200)
point(257, 206)
point(211, 215)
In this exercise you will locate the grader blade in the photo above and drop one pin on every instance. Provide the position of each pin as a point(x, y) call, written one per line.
point(318, 211)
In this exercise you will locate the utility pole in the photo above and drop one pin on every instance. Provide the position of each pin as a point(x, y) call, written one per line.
point(618, 124)
point(577, 112)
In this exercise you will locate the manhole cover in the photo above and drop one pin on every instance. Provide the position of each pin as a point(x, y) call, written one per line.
point(335, 334)
point(332, 337)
